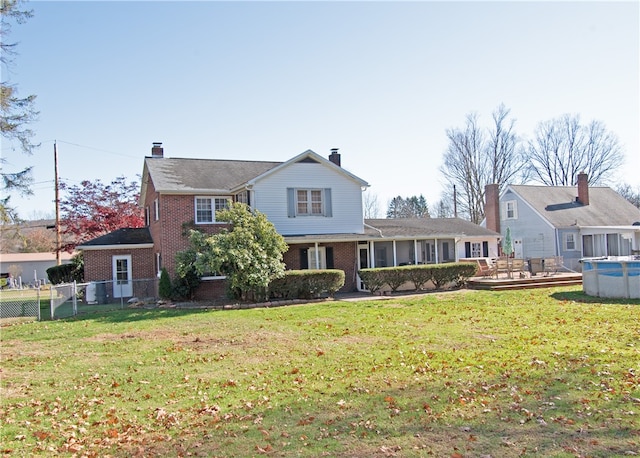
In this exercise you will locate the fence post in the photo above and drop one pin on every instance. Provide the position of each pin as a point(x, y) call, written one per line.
point(74, 291)
point(50, 301)
point(38, 299)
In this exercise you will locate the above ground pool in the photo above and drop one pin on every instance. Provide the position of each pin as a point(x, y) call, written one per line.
point(616, 276)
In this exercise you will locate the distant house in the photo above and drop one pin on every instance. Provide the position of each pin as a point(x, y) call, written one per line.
point(30, 268)
point(314, 202)
point(565, 221)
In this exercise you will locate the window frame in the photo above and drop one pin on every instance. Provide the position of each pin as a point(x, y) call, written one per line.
point(216, 203)
point(513, 210)
point(570, 237)
point(314, 199)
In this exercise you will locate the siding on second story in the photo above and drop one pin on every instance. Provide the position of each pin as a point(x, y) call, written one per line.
point(309, 197)
point(527, 225)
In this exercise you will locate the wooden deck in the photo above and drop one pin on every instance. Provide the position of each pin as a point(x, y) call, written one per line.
point(536, 281)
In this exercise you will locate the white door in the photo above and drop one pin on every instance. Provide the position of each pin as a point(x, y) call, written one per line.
point(122, 282)
point(517, 248)
point(363, 263)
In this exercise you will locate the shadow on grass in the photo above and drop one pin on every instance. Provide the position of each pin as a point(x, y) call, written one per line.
point(131, 315)
point(580, 296)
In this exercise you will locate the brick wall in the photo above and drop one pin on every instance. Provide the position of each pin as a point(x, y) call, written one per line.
point(344, 258)
point(98, 264)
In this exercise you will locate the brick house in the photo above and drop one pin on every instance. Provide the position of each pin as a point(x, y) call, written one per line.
point(313, 202)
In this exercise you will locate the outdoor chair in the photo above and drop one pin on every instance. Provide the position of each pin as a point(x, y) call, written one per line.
point(550, 266)
point(517, 265)
point(484, 269)
point(502, 265)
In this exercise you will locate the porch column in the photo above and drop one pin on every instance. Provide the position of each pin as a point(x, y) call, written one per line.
point(435, 242)
point(395, 258)
point(372, 254)
point(415, 251)
point(317, 256)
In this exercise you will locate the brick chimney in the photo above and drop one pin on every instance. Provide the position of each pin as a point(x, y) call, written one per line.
point(492, 207)
point(583, 189)
point(335, 156)
point(157, 150)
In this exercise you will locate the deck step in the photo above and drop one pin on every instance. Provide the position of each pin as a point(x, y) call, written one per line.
point(503, 284)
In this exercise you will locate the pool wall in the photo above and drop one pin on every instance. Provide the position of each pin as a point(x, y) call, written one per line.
point(614, 277)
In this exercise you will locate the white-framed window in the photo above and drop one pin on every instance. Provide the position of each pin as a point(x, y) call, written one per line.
point(206, 208)
point(243, 197)
point(321, 259)
point(476, 249)
point(156, 210)
point(309, 202)
point(511, 209)
point(147, 216)
point(570, 241)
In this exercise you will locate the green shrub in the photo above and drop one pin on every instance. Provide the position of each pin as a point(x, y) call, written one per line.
point(307, 284)
point(440, 274)
point(164, 286)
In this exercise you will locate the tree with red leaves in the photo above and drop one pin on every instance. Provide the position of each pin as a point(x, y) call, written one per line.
point(92, 209)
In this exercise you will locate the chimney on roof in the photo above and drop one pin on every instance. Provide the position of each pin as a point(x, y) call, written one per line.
point(335, 157)
point(157, 150)
point(583, 189)
point(492, 207)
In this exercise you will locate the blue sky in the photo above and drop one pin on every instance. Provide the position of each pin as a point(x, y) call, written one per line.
point(382, 81)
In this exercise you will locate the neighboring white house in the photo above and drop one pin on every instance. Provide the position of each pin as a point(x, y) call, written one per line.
point(30, 268)
point(548, 221)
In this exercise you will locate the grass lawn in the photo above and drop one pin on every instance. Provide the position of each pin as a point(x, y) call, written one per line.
point(548, 372)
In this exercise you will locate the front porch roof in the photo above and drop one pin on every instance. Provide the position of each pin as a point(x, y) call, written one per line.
point(403, 229)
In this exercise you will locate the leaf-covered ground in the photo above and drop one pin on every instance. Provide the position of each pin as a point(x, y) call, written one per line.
point(545, 372)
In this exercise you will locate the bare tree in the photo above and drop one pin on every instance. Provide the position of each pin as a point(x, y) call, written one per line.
point(16, 113)
point(476, 157)
point(562, 148)
point(632, 195)
point(371, 205)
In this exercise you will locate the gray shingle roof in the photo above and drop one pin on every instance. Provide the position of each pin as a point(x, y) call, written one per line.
point(426, 227)
point(182, 175)
point(558, 204)
point(124, 236)
point(404, 228)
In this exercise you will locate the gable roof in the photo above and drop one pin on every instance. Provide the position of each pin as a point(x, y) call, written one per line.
point(120, 238)
point(313, 157)
point(220, 176)
point(559, 206)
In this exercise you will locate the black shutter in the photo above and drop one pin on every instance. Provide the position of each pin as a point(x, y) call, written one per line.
point(467, 249)
point(329, 253)
point(304, 259)
point(485, 249)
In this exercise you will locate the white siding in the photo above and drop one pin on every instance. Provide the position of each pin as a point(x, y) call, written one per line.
point(537, 235)
point(270, 197)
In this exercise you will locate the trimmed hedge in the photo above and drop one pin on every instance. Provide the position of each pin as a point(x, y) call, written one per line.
point(439, 274)
point(306, 284)
point(64, 273)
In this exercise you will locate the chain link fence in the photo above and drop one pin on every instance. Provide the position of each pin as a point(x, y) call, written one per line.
point(71, 299)
point(17, 303)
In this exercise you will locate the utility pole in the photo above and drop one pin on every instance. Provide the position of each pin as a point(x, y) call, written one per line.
point(57, 188)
